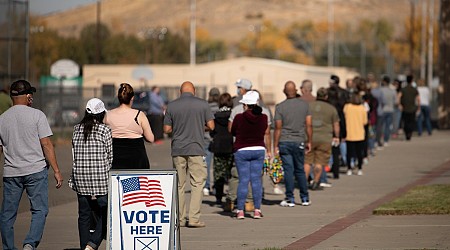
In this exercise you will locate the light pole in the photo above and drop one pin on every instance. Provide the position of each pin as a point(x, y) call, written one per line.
point(192, 47)
point(330, 33)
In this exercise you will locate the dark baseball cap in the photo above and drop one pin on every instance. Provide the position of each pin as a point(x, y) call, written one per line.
point(21, 87)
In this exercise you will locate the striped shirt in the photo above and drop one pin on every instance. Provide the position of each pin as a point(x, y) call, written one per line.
point(91, 160)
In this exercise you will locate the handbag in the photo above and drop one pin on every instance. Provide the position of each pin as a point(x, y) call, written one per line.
point(274, 169)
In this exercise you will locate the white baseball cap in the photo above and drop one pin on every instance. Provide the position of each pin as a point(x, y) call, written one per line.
point(95, 106)
point(249, 98)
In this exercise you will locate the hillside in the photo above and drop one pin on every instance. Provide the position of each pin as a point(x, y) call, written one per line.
point(228, 20)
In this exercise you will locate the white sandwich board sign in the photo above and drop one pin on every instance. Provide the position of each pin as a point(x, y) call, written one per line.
point(143, 210)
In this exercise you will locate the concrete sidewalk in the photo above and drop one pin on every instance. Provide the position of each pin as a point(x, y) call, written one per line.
point(339, 217)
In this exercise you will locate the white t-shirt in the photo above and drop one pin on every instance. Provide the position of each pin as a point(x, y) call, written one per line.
point(424, 94)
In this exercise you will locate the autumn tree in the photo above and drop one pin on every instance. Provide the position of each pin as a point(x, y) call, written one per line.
point(444, 65)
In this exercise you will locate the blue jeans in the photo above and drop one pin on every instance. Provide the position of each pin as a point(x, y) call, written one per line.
point(424, 116)
point(397, 118)
point(249, 164)
point(292, 155)
point(388, 118)
point(86, 208)
point(36, 186)
point(208, 159)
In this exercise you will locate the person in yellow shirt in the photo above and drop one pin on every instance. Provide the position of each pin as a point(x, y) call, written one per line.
point(355, 118)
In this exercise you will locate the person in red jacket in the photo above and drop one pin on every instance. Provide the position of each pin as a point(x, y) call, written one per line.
point(249, 148)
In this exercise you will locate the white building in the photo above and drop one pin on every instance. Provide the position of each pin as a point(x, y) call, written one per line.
point(268, 76)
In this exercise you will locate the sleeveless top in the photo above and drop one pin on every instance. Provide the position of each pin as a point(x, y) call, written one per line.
point(128, 143)
point(123, 123)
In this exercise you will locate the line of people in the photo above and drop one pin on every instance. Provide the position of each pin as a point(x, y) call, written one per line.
point(336, 127)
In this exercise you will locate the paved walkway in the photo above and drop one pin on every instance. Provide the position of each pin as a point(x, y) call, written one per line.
point(339, 217)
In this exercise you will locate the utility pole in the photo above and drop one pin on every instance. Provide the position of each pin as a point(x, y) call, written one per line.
point(423, 39)
point(444, 64)
point(192, 47)
point(97, 43)
point(430, 42)
point(411, 35)
point(330, 33)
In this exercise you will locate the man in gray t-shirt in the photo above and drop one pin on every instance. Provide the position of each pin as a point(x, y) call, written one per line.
point(25, 142)
point(293, 129)
point(186, 118)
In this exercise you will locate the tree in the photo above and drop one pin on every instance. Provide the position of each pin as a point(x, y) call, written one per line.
point(444, 65)
point(89, 39)
point(123, 49)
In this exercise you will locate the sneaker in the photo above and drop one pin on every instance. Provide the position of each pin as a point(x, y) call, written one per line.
point(287, 203)
point(257, 214)
point(240, 214)
point(205, 191)
point(277, 190)
point(360, 172)
point(325, 184)
point(349, 172)
point(386, 144)
point(27, 247)
point(306, 202)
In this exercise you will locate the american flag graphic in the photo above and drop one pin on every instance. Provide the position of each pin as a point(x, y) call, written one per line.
point(141, 189)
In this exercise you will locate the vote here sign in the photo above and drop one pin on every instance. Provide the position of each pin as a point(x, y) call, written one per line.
point(142, 212)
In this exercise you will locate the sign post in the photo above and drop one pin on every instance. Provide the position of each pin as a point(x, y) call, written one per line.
point(143, 210)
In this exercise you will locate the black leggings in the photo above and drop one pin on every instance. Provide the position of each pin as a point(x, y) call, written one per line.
point(355, 149)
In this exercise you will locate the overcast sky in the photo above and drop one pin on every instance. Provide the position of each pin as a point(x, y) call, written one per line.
point(49, 6)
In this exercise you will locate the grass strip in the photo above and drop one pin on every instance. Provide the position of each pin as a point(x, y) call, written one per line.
point(429, 199)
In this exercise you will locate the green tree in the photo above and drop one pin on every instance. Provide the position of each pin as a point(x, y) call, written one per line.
point(123, 49)
point(93, 42)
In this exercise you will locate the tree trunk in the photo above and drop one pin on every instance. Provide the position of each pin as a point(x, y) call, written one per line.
point(444, 65)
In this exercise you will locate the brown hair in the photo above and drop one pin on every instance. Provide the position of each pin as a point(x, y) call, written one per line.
point(225, 100)
point(355, 99)
point(125, 93)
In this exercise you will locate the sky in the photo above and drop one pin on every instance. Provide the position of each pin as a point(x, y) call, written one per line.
point(43, 7)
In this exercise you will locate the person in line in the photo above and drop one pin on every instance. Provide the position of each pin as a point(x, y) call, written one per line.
point(410, 106)
point(156, 113)
point(306, 89)
point(187, 118)
point(375, 91)
point(5, 100)
point(130, 127)
point(397, 86)
point(213, 101)
point(356, 119)
point(325, 127)
point(338, 97)
point(424, 116)
point(25, 142)
point(243, 86)
point(92, 160)
point(250, 128)
point(389, 100)
point(292, 139)
point(222, 146)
